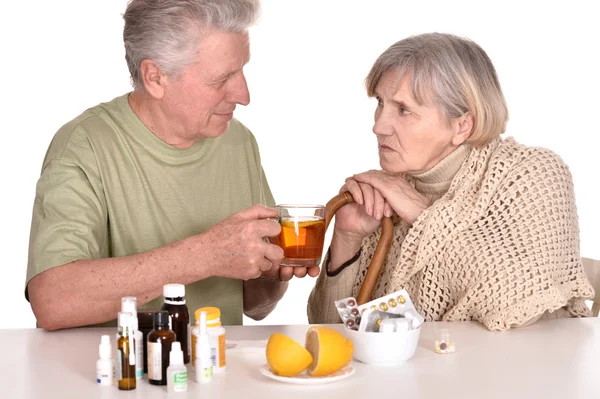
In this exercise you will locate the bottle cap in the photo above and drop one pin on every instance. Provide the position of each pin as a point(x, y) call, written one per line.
point(124, 319)
point(129, 305)
point(161, 318)
point(176, 354)
point(146, 317)
point(174, 291)
point(104, 349)
point(213, 315)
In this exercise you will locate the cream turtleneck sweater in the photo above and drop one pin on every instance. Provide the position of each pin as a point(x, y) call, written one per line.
point(499, 243)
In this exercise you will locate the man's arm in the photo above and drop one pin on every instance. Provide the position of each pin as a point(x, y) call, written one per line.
point(261, 296)
point(89, 291)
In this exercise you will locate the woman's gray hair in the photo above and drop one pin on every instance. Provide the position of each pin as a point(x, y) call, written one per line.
point(453, 73)
point(169, 31)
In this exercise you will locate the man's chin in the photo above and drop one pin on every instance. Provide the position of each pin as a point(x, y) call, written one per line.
point(217, 130)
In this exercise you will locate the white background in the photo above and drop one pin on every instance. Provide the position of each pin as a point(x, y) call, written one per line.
point(309, 110)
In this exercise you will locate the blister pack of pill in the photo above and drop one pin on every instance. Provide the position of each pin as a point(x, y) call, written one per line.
point(398, 303)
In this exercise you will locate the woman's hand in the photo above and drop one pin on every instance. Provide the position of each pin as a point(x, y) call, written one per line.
point(362, 217)
point(396, 193)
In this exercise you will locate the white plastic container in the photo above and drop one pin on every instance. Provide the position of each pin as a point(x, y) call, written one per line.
point(203, 369)
point(384, 349)
point(104, 365)
point(176, 372)
point(216, 333)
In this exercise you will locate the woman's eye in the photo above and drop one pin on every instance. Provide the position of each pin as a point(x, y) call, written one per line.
point(404, 111)
point(379, 102)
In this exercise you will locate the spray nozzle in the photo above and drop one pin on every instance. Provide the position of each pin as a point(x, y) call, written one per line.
point(104, 349)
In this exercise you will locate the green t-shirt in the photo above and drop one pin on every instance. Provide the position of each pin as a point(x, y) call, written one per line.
point(109, 187)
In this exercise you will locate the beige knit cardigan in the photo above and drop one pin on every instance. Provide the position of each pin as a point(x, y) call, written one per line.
point(501, 246)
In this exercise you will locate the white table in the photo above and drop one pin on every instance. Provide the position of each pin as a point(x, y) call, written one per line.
point(550, 359)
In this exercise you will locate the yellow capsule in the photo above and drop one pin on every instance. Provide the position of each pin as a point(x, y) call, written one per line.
point(383, 306)
point(363, 311)
point(374, 307)
point(392, 302)
point(378, 323)
point(401, 299)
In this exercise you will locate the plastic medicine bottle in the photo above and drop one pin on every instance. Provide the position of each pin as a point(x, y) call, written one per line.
point(176, 372)
point(104, 365)
point(216, 333)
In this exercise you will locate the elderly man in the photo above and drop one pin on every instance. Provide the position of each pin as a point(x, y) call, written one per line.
point(160, 185)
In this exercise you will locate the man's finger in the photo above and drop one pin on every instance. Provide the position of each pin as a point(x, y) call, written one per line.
point(313, 271)
point(286, 273)
point(300, 272)
point(257, 212)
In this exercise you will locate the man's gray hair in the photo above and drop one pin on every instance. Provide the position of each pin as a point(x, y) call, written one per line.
point(169, 31)
point(451, 72)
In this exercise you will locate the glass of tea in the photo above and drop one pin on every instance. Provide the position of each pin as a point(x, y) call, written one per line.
point(302, 234)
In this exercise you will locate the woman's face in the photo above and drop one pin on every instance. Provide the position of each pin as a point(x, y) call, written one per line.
point(412, 138)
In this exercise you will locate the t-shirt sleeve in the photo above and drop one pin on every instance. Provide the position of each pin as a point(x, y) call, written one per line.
point(69, 219)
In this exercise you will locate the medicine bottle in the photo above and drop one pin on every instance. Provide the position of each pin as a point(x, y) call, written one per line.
point(146, 324)
point(125, 353)
point(104, 365)
point(176, 372)
point(129, 305)
point(159, 347)
point(216, 332)
point(174, 303)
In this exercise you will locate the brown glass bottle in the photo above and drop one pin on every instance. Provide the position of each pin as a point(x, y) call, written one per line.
point(159, 347)
point(125, 353)
point(174, 303)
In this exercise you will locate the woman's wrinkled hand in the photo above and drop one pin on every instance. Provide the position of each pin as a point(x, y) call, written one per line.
point(394, 192)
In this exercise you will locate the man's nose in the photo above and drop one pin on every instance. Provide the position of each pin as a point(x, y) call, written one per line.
point(239, 93)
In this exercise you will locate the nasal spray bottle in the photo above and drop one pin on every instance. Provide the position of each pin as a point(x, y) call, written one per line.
point(203, 364)
point(129, 305)
point(104, 365)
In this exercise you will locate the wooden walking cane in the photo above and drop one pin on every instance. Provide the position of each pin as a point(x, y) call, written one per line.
point(387, 232)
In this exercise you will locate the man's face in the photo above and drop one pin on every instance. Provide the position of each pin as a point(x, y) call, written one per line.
point(201, 102)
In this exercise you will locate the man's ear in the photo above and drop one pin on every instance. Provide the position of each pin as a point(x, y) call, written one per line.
point(464, 128)
point(153, 78)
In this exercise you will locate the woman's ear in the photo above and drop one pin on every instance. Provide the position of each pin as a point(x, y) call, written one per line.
point(464, 128)
point(153, 78)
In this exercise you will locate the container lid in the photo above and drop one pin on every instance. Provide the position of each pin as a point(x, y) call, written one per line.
point(146, 317)
point(176, 355)
point(174, 291)
point(104, 349)
point(124, 319)
point(161, 318)
point(213, 314)
point(129, 304)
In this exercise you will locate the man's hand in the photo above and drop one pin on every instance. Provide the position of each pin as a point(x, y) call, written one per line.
point(235, 247)
point(285, 273)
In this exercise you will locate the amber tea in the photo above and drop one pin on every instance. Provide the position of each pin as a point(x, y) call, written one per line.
point(302, 235)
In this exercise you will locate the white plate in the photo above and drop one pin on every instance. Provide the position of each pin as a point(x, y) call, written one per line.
point(305, 379)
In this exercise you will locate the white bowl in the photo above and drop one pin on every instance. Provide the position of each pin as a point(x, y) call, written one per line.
point(384, 348)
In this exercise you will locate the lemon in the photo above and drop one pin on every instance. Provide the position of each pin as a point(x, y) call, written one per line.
point(330, 350)
point(287, 357)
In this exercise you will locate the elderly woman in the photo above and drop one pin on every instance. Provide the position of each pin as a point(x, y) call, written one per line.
point(484, 228)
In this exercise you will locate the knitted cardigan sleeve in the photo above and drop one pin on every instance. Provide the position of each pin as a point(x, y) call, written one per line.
point(500, 247)
point(531, 234)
